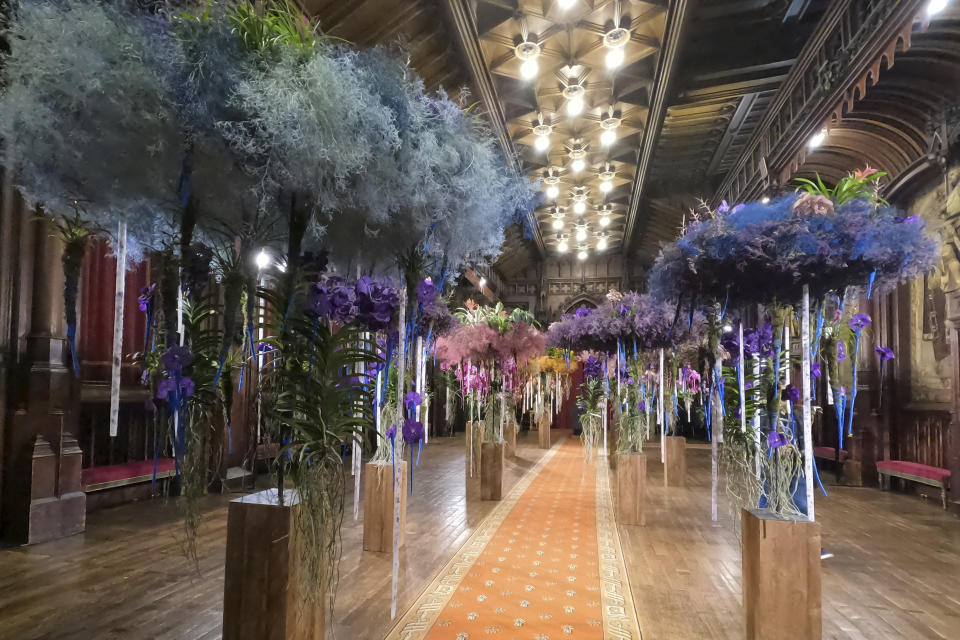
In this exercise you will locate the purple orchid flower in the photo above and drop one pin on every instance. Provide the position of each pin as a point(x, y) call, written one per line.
point(724, 207)
point(815, 369)
point(642, 406)
point(885, 353)
point(146, 296)
point(776, 439)
point(412, 399)
point(426, 292)
point(858, 322)
point(392, 432)
point(176, 358)
point(790, 393)
point(166, 386)
point(841, 352)
point(412, 430)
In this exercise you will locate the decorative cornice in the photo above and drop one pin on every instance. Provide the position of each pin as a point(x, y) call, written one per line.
point(677, 20)
point(847, 43)
point(461, 15)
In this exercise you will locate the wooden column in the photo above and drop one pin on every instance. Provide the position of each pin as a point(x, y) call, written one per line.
point(473, 436)
point(781, 577)
point(261, 591)
point(491, 471)
point(631, 488)
point(378, 507)
point(544, 432)
point(510, 437)
point(46, 397)
point(675, 468)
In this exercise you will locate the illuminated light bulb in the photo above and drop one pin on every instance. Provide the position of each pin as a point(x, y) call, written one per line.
point(542, 143)
point(817, 139)
point(582, 255)
point(558, 224)
point(579, 207)
point(606, 186)
point(263, 260)
point(552, 191)
point(614, 58)
point(727, 328)
point(578, 165)
point(936, 6)
point(601, 244)
point(608, 137)
point(574, 107)
point(605, 221)
point(765, 200)
point(565, 4)
point(562, 247)
point(581, 234)
point(529, 69)
point(482, 283)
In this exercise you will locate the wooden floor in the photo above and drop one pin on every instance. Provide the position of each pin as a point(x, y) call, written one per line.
point(895, 575)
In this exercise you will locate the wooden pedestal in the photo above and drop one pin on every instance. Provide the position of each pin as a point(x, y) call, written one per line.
point(544, 433)
point(781, 577)
point(475, 474)
point(631, 488)
point(491, 471)
point(675, 469)
point(378, 507)
point(261, 590)
point(510, 438)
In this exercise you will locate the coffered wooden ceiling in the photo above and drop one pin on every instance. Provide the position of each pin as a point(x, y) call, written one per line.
point(557, 113)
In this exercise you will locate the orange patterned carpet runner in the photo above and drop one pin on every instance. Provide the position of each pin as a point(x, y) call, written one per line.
point(545, 565)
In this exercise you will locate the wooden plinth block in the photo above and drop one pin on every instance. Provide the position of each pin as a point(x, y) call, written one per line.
point(510, 437)
point(675, 469)
point(631, 488)
point(544, 433)
point(491, 471)
point(473, 433)
point(261, 591)
point(378, 507)
point(781, 577)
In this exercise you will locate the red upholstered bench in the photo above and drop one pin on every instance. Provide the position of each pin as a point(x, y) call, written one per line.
point(829, 453)
point(121, 475)
point(915, 472)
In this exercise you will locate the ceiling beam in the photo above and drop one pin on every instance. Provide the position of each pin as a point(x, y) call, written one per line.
point(678, 16)
point(461, 15)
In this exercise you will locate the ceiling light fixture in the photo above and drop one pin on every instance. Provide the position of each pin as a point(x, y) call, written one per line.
point(557, 224)
point(605, 221)
point(615, 40)
point(579, 207)
point(562, 247)
point(552, 191)
point(573, 93)
point(565, 4)
point(606, 177)
point(542, 131)
point(610, 124)
point(817, 139)
point(936, 6)
point(582, 255)
point(578, 165)
point(606, 186)
point(601, 243)
point(527, 53)
point(263, 260)
point(581, 234)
